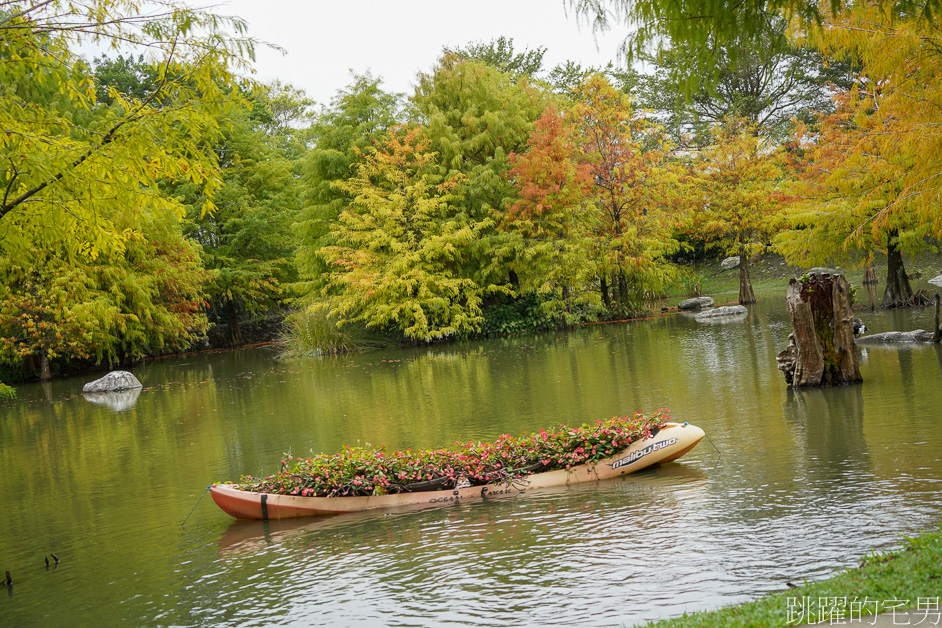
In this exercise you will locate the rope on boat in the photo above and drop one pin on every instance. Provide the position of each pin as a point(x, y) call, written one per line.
point(197, 504)
point(712, 443)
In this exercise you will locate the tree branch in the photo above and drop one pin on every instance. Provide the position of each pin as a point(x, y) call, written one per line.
point(106, 139)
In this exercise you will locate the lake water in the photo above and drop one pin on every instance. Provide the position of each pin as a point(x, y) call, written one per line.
point(806, 482)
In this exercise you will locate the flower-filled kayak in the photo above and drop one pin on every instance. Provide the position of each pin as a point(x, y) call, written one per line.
point(360, 478)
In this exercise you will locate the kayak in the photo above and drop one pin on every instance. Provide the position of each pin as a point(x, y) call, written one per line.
point(670, 442)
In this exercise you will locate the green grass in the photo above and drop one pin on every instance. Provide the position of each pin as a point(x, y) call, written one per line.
point(770, 275)
point(910, 573)
point(6, 392)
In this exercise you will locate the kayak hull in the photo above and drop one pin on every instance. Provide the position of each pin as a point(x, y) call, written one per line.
point(671, 442)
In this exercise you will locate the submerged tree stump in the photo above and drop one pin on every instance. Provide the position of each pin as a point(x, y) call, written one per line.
point(821, 350)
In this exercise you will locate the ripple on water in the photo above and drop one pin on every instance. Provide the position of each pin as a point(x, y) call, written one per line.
point(806, 484)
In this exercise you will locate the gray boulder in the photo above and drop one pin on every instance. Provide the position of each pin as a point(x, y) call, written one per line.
point(936, 281)
point(728, 311)
point(695, 303)
point(899, 337)
point(113, 382)
point(729, 263)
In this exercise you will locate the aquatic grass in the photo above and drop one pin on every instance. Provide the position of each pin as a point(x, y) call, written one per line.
point(691, 282)
point(315, 331)
point(373, 471)
point(908, 579)
point(7, 392)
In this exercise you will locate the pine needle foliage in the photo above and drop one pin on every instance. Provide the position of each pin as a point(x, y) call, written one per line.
point(397, 258)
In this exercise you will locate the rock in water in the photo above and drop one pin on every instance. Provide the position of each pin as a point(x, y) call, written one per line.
point(901, 337)
point(722, 312)
point(693, 304)
point(729, 263)
point(112, 382)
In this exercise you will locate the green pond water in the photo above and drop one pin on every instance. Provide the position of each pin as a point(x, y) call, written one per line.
point(807, 482)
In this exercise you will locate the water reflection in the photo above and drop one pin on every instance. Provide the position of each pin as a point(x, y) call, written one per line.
point(117, 401)
point(829, 429)
point(728, 319)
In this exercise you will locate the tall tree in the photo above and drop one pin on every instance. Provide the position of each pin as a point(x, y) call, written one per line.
point(738, 207)
point(765, 84)
point(359, 115)
point(129, 76)
point(500, 54)
point(632, 199)
point(397, 258)
point(871, 171)
point(474, 116)
point(550, 213)
point(145, 300)
point(247, 241)
point(706, 27)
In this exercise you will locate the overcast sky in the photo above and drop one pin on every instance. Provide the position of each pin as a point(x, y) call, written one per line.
point(396, 39)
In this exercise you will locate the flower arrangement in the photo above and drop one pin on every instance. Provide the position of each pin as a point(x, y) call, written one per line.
point(374, 471)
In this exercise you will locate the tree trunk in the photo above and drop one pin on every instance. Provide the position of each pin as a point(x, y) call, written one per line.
point(746, 295)
point(898, 292)
point(821, 351)
point(623, 290)
point(44, 372)
point(235, 331)
point(604, 289)
point(514, 280)
point(870, 280)
point(936, 330)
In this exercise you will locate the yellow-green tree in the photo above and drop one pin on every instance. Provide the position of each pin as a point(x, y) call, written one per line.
point(474, 116)
point(80, 171)
point(734, 190)
point(66, 159)
point(145, 300)
point(358, 115)
point(871, 173)
point(396, 261)
point(247, 242)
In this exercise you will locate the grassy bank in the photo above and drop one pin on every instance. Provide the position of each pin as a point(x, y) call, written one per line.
point(770, 275)
point(911, 577)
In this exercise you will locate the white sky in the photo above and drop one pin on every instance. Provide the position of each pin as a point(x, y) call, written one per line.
point(396, 39)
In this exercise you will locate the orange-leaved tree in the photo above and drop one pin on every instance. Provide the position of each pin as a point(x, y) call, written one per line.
point(871, 173)
point(632, 200)
point(550, 214)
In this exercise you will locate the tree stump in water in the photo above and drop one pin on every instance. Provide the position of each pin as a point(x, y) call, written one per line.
point(821, 350)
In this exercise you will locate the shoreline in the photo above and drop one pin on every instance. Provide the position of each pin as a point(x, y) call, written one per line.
point(770, 275)
point(901, 585)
